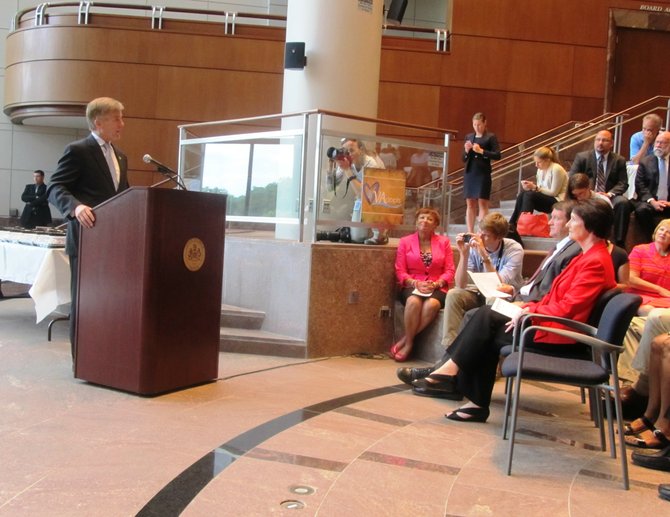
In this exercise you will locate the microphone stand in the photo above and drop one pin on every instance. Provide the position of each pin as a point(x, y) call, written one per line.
point(171, 176)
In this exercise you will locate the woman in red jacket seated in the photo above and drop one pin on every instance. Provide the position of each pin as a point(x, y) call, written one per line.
point(471, 368)
point(424, 266)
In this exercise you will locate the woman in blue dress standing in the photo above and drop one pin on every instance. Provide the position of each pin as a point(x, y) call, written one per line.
point(480, 148)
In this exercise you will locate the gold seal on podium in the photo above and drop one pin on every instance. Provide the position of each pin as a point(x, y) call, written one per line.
point(194, 254)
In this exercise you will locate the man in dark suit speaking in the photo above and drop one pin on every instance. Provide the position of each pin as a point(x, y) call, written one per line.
point(36, 212)
point(90, 171)
point(607, 172)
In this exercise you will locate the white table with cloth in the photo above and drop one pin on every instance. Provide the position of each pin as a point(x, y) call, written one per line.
point(46, 269)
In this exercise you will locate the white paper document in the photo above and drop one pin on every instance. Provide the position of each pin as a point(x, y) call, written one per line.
point(419, 293)
point(486, 284)
point(506, 308)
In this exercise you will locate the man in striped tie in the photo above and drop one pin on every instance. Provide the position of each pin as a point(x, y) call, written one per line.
point(607, 172)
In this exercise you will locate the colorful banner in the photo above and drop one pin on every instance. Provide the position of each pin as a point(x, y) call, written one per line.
point(383, 196)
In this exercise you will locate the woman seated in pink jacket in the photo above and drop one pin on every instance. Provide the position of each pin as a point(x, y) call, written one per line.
point(424, 267)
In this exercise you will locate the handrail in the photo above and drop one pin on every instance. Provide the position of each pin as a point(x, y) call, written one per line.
point(442, 36)
point(516, 162)
point(323, 112)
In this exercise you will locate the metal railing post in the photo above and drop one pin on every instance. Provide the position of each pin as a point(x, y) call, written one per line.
point(82, 15)
point(303, 178)
point(316, 194)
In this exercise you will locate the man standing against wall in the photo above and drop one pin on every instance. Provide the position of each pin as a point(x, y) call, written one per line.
point(90, 171)
point(36, 212)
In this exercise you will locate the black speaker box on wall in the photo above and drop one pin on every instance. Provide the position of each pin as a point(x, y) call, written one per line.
point(396, 11)
point(294, 55)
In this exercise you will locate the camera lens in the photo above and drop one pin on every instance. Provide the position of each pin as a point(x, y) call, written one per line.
point(467, 237)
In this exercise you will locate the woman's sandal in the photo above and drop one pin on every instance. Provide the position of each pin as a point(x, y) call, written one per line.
point(648, 439)
point(475, 414)
point(637, 426)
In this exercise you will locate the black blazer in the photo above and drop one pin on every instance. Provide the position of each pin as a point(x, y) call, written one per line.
point(546, 277)
point(491, 151)
point(36, 212)
point(616, 176)
point(646, 179)
point(83, 177)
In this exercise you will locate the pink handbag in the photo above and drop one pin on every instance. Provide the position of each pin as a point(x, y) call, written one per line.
point(533, 225)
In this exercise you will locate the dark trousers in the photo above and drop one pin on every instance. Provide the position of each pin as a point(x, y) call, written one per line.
point(648, 218)
point(622, 209)
point(476, 351)
point(529, 200)
point(74, 281)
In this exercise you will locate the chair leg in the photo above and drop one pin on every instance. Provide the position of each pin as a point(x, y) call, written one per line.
point(622, 444)
point(596, 409)
point(508, 398)
point(582, 394)
point(610, 422)
point(515, 409)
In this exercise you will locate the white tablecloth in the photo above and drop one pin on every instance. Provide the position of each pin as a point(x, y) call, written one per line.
point(47, 269)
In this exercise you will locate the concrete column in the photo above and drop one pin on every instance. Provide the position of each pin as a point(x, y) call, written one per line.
point(343, 49)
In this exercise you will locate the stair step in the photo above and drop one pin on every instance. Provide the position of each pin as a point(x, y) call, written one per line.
point(239, 317)
point(260, 342)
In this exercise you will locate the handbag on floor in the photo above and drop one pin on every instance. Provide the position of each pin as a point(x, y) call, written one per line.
point(533, 225)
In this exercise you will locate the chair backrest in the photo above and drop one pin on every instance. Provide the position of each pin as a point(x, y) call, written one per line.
point(616, 317)
point(599, 306)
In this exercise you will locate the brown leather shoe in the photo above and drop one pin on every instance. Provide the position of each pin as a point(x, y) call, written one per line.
point(632, 403)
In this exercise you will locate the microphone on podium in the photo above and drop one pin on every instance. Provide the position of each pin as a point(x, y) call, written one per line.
point(164, 169)
point(161, 167)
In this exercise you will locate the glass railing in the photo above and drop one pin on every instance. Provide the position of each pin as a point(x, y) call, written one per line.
point(288, 175)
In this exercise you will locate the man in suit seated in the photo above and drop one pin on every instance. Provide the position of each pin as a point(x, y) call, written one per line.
point(607, 172)
point(536, 287)
point(651, 186)
point(36, 212)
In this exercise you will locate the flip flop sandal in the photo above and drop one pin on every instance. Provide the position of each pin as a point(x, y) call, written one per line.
point(637, 426)
point(648, 440)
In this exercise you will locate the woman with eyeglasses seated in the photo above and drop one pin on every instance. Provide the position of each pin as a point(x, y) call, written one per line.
point(424, 267)
point(470, 370)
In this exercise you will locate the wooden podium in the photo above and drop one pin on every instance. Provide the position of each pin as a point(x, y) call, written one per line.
point(149, 300)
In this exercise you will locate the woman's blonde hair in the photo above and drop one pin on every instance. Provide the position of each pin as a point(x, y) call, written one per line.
point(664, 222)
point(546, 153)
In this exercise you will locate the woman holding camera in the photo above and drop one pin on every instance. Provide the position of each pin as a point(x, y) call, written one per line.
point(479, 149)
point(424, 266)
point(550, 186)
